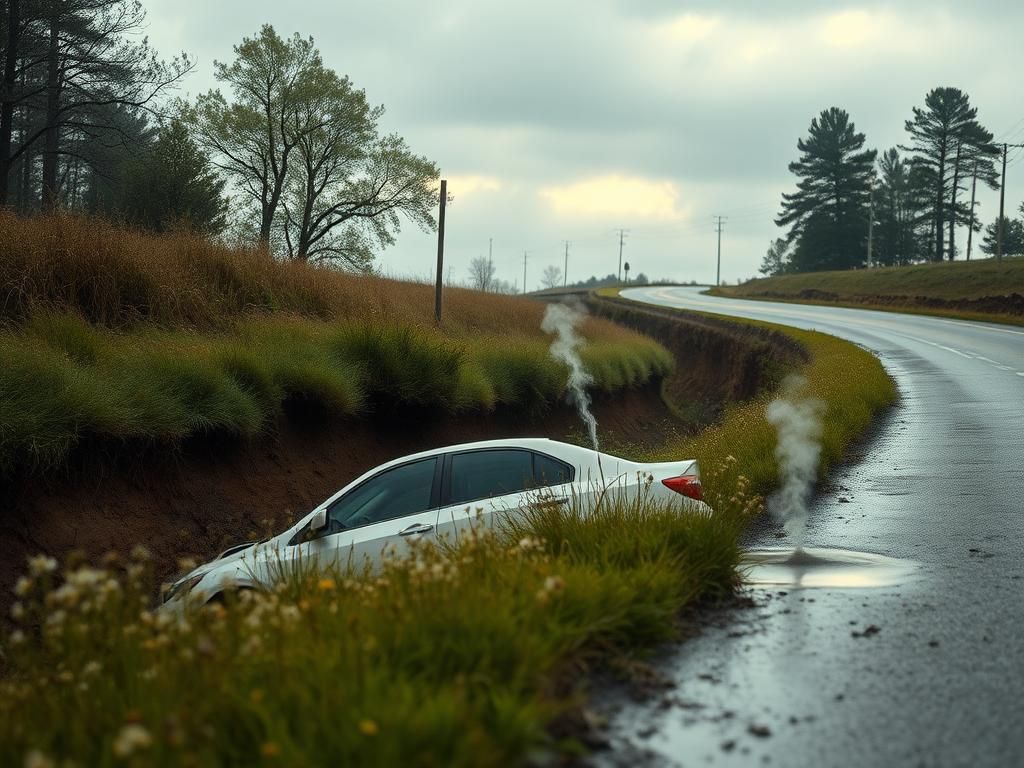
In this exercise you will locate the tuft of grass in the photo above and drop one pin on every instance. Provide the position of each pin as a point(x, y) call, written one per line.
point(448, 657)
point(402, 364)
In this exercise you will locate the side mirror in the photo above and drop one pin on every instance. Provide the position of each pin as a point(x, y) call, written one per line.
point(319, 521)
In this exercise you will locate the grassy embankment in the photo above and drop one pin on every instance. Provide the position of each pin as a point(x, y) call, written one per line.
point(460, 658)
point(113, 335)
point(984, 290)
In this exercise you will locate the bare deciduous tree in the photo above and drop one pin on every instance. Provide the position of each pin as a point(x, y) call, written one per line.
point(552, 277)
point(481, 273)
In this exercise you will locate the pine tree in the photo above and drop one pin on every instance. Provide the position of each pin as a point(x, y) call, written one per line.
point(951, 145)
point(172, 185)
point(1013, 237)
point(775, 260)
point(828, 214)
point(897, 212)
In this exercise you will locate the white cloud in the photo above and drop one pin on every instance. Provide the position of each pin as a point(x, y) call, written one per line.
point(470, 185)
point(617, 196)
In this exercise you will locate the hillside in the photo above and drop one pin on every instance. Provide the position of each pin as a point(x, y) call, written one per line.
point(118, 337)
point(984, 290)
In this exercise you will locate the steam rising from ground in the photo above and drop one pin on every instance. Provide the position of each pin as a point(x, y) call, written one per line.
point(797, 419)
point(561, 321)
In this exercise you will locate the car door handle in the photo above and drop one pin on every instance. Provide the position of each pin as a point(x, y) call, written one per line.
point(560, 500)
point(416, 528)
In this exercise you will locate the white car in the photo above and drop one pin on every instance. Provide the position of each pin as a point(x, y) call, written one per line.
point(435, 494)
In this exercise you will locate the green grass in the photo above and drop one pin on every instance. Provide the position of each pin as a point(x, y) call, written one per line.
point(64, 379)
point(973, 290)
point(448, 659)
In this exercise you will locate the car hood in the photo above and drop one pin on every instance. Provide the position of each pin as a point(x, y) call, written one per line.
point(246, 551)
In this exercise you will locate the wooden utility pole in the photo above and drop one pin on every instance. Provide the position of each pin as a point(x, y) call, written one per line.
point(871, 220)
point(718, 229)
point(524, 271)
point(622, 238)
point(565, 272)
point(970, 226)
point(1002, 197)
point(440, 251)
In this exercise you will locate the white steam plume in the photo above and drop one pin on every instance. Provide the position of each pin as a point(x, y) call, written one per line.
point(561, 321)
point(798, 422)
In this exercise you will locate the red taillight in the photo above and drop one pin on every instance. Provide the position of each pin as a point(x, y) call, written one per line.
point(687, 485)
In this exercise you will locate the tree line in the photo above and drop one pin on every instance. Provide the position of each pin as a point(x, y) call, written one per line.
point(289, 154)
point(909, 201)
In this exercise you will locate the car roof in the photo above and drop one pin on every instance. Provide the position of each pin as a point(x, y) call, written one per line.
point(542, 444)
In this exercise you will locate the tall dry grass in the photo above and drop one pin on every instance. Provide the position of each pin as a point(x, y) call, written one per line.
point(120, 278)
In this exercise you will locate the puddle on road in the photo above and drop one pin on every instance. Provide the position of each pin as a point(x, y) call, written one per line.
point(816, 567)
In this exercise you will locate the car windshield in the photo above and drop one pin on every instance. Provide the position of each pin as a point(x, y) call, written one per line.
point(393, 493)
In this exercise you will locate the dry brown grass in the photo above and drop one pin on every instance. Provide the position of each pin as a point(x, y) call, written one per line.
point(120, 278)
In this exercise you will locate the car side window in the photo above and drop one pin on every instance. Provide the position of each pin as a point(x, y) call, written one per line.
point(548, 471)
point(485, 474)
point(397, 492)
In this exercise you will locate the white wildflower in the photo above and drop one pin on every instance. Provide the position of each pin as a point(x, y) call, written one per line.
point(554, 584)
point(41, 564)
point(130, 740)
point(85, 578)
point(290, 613)
point(36, 759)
point(67, 594)
point(23, 586)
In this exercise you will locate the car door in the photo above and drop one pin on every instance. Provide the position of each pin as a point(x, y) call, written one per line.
point(482, 486)
point(385, 512)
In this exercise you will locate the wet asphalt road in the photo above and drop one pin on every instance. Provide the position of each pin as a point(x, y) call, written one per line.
point(795, 680)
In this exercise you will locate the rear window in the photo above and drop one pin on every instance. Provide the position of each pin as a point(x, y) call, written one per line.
point(485, 474)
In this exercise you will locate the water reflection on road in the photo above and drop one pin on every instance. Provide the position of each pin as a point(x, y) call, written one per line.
point(818, 567)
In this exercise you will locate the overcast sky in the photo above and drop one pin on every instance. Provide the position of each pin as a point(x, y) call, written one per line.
point(569, 119)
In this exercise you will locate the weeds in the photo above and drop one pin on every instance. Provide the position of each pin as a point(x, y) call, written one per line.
point(444, 658)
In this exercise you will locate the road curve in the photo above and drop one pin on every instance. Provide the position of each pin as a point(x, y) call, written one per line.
point(795, 680)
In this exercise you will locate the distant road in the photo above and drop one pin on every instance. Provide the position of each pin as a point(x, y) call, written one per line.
point(942, 682)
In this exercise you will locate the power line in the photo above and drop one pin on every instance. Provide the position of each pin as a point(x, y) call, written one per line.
point(1013, 131)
